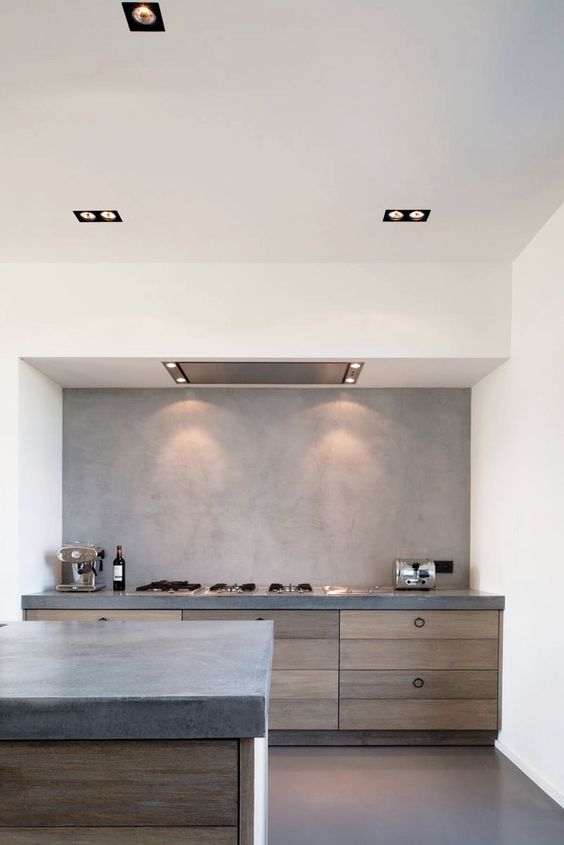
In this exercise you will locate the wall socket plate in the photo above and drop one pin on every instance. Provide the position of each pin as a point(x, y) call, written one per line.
point(444, 566)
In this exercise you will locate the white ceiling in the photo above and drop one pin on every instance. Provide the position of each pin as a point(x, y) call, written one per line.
point(279, 130)
point(377, 372)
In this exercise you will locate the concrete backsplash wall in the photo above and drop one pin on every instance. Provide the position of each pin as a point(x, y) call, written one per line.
point(288, 485)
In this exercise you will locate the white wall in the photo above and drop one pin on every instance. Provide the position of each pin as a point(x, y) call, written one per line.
point(40, 423)
point(237, 310)
point(518, 509)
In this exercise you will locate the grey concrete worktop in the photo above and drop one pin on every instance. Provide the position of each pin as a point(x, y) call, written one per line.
point(83, 680)
point(383, 600)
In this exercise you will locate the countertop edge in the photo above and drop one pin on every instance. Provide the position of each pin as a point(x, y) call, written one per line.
point(107, 600)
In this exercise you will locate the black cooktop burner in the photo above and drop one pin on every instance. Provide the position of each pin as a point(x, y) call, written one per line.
point(169, 587)
point(290, 588)
point(233, 588)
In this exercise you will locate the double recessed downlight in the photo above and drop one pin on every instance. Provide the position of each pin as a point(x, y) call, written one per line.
point(353, 372)
point(406, 215)
point(143, 17)
point(98, 216)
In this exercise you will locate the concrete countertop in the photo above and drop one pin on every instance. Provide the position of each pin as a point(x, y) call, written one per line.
point(383, 600)
point(128, 680)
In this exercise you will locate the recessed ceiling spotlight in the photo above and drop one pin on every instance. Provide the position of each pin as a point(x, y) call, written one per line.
point(98, 216)
point(353, 372)
point(143, 17)
point(176, 372)
point(406, 215)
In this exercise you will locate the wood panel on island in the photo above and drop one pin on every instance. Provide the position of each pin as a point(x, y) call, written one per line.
point(368, 676)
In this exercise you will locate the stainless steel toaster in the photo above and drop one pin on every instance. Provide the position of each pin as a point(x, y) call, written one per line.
point(414, 574)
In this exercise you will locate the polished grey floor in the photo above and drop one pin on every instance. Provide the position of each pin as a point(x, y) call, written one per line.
point(406, 796)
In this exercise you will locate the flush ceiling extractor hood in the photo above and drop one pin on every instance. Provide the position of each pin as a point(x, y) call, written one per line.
point(263, 373)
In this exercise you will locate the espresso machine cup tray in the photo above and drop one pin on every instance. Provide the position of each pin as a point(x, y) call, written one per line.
point(80, 588)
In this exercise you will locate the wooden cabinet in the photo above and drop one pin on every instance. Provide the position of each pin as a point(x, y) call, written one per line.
point(366, 670)
point(419, 671)
point(123, 792)
point(304, 693)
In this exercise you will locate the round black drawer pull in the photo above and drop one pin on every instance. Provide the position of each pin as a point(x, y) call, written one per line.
point(418, 682)
point(419, 622)
point(103, 619)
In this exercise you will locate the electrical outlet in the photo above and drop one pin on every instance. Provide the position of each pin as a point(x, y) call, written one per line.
point(444, 566)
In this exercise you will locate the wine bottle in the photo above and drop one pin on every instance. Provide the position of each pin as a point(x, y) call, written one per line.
point(119, 570)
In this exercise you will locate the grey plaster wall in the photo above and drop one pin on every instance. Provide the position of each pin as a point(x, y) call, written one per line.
point(321, 485)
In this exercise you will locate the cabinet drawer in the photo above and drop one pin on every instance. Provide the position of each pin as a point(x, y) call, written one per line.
point(306, 654)
point(299, 685)
point(103, 615)
point(303, 714)
point(131, 783)
point(119, 836)
point(406, 715)
point(428, 684)
point(420, 625)
point(434, 654)
point(288, 624)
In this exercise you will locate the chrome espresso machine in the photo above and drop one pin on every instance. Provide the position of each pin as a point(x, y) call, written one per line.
point(81, 565)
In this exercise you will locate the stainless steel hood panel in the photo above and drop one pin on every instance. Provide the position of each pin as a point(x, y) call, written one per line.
point(264, 372)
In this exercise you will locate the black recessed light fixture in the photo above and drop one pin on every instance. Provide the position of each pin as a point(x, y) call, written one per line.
point(353, 372)
point(144, 17)
point(406, 215)
point(107, 215)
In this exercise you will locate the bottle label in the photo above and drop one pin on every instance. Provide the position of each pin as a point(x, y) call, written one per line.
point(118, 573)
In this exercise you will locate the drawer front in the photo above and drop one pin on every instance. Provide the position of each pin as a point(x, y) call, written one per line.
point(421, 625)
point(180, 783)
point(426, 684)
point(119, 836)
point(403, 654)
point(306, 654)
point(403, 715)
point(103, 615)
point(303, 714)
point(315, 684)
point(288, 624)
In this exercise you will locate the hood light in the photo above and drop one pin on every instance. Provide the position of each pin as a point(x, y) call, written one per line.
point(406, 215)
point(143, 17)
point(353, 372)
point(176, 372)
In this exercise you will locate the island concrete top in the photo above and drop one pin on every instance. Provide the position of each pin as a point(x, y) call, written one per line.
point(384, 599)
point(83, 680)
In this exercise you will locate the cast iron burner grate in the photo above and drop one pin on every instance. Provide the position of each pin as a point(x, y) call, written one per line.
point(290, 588)
point(169, 587)
point(233, 588)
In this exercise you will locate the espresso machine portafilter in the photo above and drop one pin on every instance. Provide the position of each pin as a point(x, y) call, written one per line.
point(81, 564)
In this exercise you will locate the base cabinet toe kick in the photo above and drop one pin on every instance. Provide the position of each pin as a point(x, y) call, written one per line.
point(369, 677)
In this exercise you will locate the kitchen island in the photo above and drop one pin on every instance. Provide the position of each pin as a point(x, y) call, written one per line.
point(134, 733)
